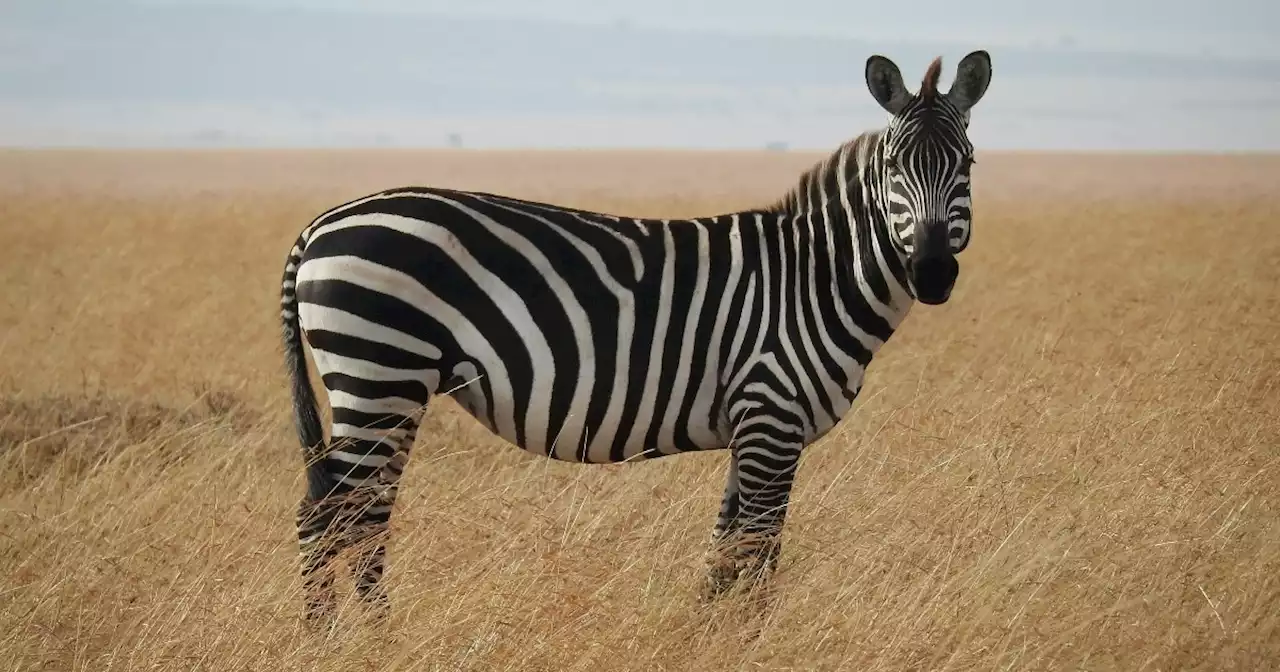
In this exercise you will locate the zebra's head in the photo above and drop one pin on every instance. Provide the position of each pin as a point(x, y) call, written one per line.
point(924, 168)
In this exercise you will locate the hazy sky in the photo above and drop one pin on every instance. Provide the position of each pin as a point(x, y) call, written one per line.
point(1074, 74)
point(1228, 27)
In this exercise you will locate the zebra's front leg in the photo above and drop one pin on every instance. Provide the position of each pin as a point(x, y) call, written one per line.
point(747, 538)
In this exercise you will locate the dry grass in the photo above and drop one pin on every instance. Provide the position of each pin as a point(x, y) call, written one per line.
point(1074, 465)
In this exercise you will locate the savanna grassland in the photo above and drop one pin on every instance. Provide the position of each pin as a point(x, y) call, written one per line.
point(1075, 464)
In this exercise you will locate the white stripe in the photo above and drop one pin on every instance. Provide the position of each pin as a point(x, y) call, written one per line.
point(766, 326)
point(389, 405)
point(343, 322)
point(387, 436)
point(735, 348)
point(645, 416)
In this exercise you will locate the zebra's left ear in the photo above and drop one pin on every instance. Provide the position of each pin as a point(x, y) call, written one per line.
point(885, 82)
point(973, 75)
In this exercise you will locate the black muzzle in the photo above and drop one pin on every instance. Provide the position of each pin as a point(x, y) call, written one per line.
point(932, 268)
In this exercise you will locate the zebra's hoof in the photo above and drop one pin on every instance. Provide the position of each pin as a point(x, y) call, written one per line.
point(718, 580)
point(317, 620)
point(737, 575)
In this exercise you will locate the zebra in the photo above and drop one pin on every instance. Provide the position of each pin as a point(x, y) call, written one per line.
point(596, 338)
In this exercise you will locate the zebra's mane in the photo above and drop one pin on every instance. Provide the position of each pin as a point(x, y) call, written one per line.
point(798, 196)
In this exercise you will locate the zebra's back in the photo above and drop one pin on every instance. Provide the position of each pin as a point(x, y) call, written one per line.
point(573, 334)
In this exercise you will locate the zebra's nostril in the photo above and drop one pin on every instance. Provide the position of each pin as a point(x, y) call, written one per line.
point(933, 277)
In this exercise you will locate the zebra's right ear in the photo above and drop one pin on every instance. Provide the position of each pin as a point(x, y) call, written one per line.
point(885, 82)
point(973, 76)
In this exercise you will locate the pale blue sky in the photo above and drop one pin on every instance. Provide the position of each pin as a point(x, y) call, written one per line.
point(1074, 74)
point(1228, 27)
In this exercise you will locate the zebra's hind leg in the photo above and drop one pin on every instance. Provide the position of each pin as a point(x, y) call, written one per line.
point(315, 517)
point(369, 449)
point(370, 564)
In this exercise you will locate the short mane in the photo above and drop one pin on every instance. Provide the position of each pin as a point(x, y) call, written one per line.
point(929, 87)
point(821, 170)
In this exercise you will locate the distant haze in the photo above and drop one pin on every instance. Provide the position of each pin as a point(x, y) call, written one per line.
point(1088, 74)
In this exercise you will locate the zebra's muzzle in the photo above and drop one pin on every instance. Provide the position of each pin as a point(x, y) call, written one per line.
point(932, 268)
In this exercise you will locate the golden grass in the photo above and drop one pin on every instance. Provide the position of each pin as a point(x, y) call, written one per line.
point(1073, 465)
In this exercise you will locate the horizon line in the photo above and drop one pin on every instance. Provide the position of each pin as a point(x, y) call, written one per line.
point(598, 149)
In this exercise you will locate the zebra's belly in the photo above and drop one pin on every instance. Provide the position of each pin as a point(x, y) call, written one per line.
point(566, 418)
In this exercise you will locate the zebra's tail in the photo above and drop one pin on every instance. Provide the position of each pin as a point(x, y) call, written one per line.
point(306, 417)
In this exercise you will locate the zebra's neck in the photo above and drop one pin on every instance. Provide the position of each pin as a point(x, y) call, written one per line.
point(842, 200)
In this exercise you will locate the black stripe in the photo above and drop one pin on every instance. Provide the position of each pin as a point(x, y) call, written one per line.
point(356, 347)
point(348, 416)
point(375, 389)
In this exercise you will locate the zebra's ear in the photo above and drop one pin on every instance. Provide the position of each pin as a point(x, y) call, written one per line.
point(973, 75)
point(885, 82)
